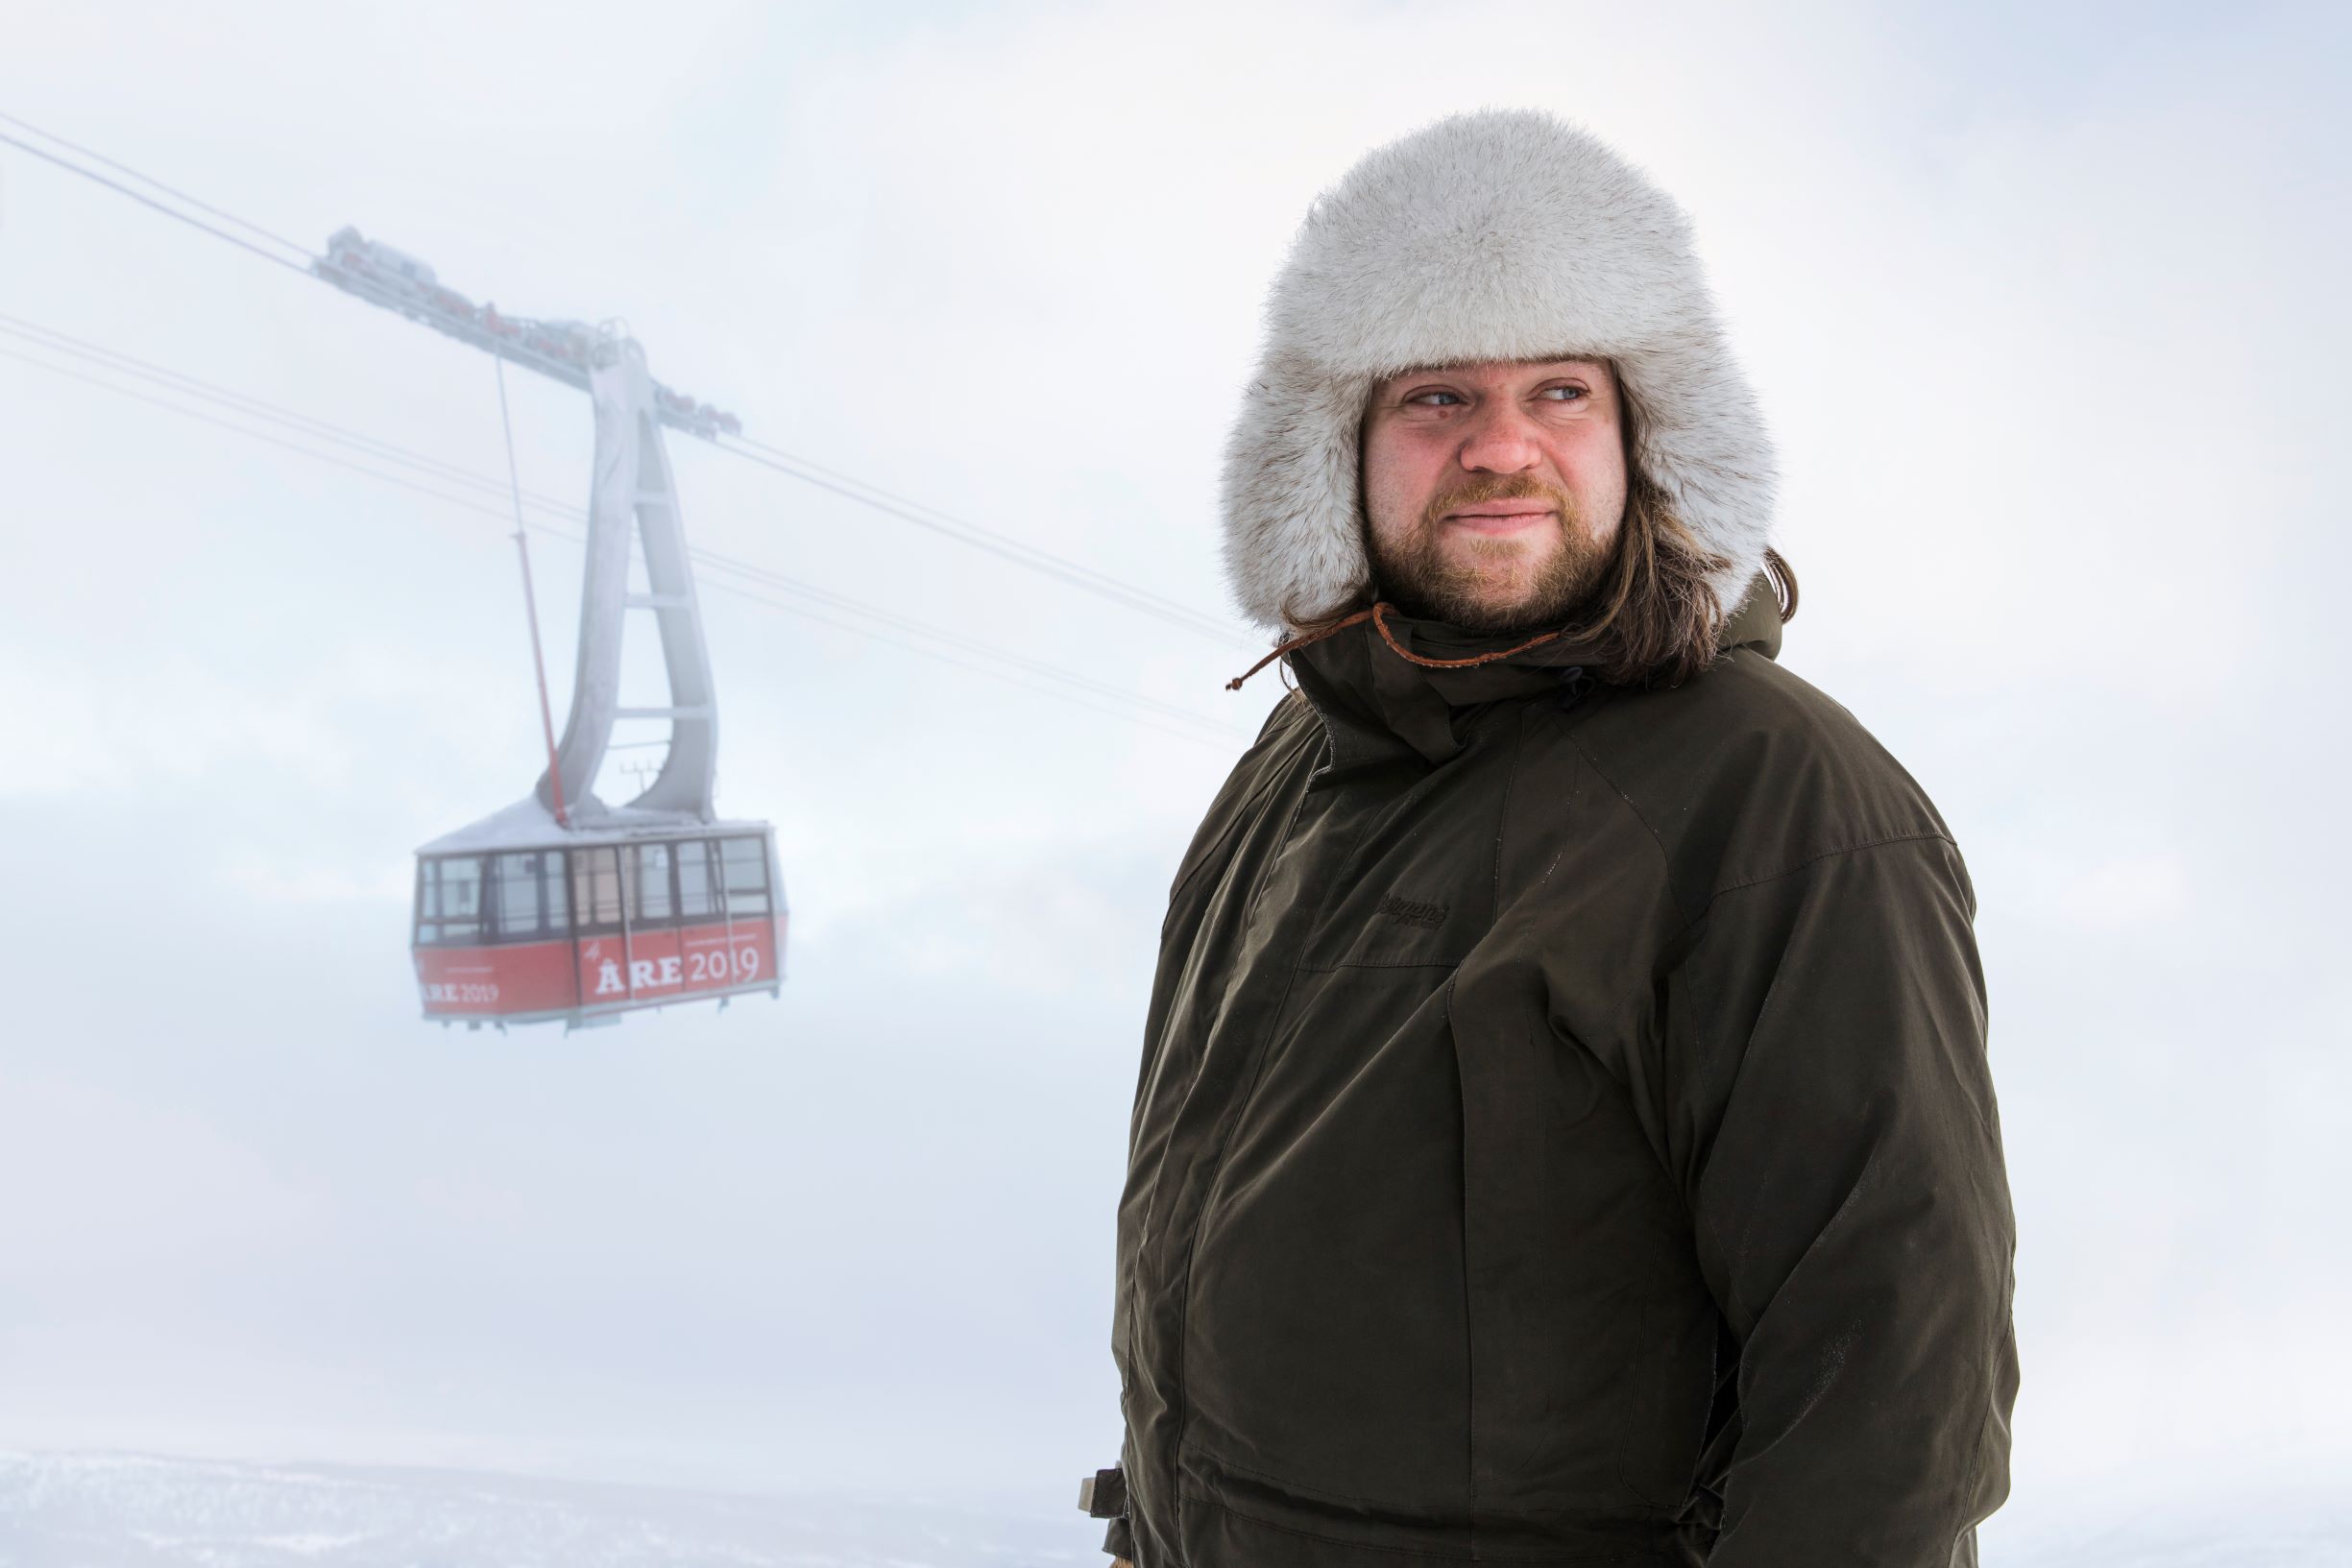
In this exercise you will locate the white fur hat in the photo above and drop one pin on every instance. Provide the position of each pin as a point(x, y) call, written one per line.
point(1503, 234)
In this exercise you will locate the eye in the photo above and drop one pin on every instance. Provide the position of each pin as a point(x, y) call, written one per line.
point(1427, 399)
point(1568, 394)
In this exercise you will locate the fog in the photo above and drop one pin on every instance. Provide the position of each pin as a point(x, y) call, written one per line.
point(2046, 316)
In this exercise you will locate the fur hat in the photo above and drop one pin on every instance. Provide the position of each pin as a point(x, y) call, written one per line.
point(1503, 234)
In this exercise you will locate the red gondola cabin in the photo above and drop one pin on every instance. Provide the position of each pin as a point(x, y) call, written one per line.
point(585, 925)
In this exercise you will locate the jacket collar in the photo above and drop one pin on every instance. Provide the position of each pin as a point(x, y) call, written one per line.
point(1378, 708)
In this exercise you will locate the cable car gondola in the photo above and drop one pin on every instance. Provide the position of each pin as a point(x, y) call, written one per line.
point(560, 906)
point(521, 922)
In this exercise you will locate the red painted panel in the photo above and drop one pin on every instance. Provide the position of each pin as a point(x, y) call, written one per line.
point(495, 981)
point(504, 980)
point(654, 966)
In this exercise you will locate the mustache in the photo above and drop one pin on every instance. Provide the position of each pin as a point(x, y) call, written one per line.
point(1498, 487)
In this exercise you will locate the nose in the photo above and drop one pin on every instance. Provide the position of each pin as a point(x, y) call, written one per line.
point(1501, 439)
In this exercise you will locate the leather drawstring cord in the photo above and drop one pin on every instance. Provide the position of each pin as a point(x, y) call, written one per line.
point(1377, 614)
point(1281, 648)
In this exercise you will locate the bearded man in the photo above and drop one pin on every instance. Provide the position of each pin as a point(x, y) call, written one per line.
point(1564, 1132)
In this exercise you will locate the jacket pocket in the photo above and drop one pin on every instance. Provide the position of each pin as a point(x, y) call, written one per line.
point(1324, 1338)
point(1592, 1332)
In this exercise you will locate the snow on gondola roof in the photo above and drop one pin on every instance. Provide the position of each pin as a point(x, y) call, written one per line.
point(528, 825)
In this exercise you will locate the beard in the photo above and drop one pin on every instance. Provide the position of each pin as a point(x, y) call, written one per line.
point(1494, 588)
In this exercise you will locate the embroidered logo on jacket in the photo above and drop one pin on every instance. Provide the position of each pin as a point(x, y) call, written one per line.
point(1413, 913)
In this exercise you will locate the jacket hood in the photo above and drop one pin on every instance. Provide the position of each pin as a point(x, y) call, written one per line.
point(1503, 234)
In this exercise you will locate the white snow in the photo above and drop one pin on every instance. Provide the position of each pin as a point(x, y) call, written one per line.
point(121, 1511)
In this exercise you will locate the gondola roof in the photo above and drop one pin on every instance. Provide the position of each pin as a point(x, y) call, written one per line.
point(527, 823)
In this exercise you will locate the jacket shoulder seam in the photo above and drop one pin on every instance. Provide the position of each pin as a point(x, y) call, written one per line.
point(1666, 859)
point(1882, 841)
point(1924, 836)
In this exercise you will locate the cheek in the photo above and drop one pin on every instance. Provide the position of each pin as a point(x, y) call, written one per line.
point(1594, 469)
point(1397, 483)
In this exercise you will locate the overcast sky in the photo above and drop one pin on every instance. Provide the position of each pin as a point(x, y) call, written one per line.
point(2045, 312)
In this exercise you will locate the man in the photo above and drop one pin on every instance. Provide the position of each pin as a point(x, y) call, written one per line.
point(1564, 1132)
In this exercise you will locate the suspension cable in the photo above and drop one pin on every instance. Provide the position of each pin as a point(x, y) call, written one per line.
point(999, 663)
point(530, 599)
point(149, 201)
point(80, 151)
point(1032, 557)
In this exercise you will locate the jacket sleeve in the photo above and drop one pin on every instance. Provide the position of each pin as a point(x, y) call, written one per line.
point(1841, 1157)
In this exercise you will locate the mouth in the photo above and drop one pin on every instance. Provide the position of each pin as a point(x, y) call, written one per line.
point(1499, 518)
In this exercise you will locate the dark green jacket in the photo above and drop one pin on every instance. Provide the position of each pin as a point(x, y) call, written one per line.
point(1564, 1136)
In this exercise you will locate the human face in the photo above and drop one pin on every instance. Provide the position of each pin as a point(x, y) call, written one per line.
point(1494, 492)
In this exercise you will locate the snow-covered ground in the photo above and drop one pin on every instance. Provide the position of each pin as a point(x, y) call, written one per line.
point(120, 1510)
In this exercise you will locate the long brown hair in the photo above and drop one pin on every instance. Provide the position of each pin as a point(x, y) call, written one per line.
point(1651, 619)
